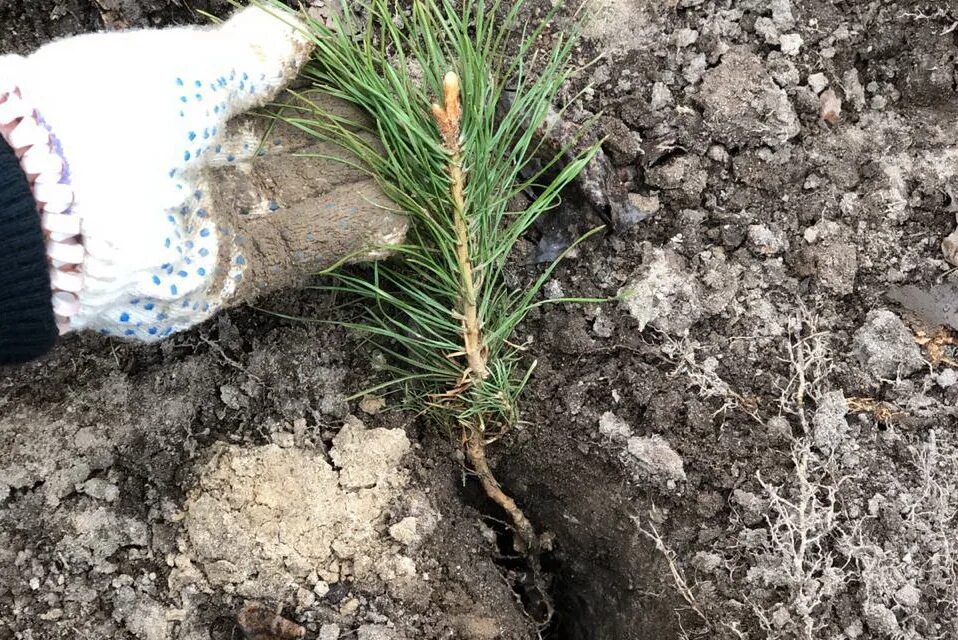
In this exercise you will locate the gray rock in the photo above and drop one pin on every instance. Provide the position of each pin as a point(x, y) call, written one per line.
point(406, 531)
point(778, 429)
point(683, 177)
point(885, 347)
point(63, 482)
point(622, 144)
point(707, 562)
point(838, 266)
point(791, 44)
point(949, 247)
point(147, 620)
point(753, 507)
point(98, 534)
point(817, 82)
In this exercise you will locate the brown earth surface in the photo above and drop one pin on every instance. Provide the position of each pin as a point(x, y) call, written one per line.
point(759, 441)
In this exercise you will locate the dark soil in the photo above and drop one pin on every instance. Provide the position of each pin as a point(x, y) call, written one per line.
point(758, 442)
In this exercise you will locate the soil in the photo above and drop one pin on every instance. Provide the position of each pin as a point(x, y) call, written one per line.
point(760, 440)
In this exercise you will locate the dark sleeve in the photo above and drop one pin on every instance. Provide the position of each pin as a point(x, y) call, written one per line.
point(27, 324)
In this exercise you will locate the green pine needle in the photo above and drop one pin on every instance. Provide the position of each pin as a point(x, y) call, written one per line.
point(412, 307)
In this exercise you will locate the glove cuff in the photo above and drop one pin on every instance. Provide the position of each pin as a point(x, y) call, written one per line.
point(40, 158)
point(27, 324)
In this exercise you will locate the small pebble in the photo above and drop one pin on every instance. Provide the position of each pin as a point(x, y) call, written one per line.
point(817, 82)
point(321, 588)
point(372, 404)
point(791, 44)
point(349, 607)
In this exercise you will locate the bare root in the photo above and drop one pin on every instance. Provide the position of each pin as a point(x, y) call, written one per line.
point(476, 454)
point(527, 542)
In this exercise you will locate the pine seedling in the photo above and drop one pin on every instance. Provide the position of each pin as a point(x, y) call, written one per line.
point(458, 118)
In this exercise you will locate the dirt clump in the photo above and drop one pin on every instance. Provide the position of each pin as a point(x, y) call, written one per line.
point(317, 518)
point(885, 346)
point(742, 105)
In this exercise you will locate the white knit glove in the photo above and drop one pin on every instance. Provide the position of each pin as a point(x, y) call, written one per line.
point(140, 120)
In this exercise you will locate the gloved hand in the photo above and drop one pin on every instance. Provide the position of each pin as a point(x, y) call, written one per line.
point(160, 208)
